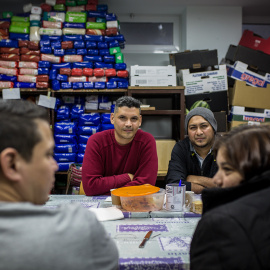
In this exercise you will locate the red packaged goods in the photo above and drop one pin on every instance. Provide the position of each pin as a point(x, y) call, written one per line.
point(23, 43)
point(87, 71)
point(33, 45)
point(110, 72)
point(46, 7)
point(95, 79)
point(9, 57)
point(6, 84)
point(8, 64)
point(10, 50)
point(122, 73)
point(60, 2)
point(30, 58)
point(111, 32)
point(51, 58)
point(28, 51)
point(91, 19)
point(9, 71)
point(76, 72)
point(91, 7)
point(77, 79)
point(67, 44)
point(95, 32)
point(42, 85)
point(27, 78)
point(92, 2)
point(48, 24)
point(3, 32)
point(65, 71)
point(4, 24)
point(42, 78)
point(4, 37)
point(22, 64)
point(99, 72)
point(72, 58)
point(28, 71)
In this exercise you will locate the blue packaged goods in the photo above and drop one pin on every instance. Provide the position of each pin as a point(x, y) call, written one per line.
point(104, 52)
point(83, 139)
point(92, 52)
point(77, 85)
point(46, 43)
point(78, 44)
point(65, 128)
point(106, 118)
point(120, 66)
point(82, 65)
point(122, 85)
point(89, 119)
point(55, 85)
point(118, 79)
point(102, 45)
point(88, 85)
point(93, 38)
point(73, 25)
point(58, 103)
point(103, 98)
point(109, 58)
point(94, 58)
point(53, 73)
point(63, 78)
point(46, 50)
point(56, 44)
point(100, 85)
point(8, 43)
point(65, 157)
point(61, 65)
point(103, 65)
point(88, 130)
point(65, 138)
point(118, 38)
point(63, 166)
point(101, 20)
point(96, 14)
point(111, 85)
point(43, 71)
point(106, 127)
point(47, 37)
point(111, 17)
point(72, 37)
point(18, 36)
point(81, 148)
point(59, 52)
point(8, 78)
point(24, 85)
point(62, 112)
point(102, 7)
point(90, 44)
point(114, 43)
point(82, 51)
point(44, 64)
point(112, 108)
point(70, 51)
point(66, 85)
point(66, 148)
point(76, 111)
point(79, 158)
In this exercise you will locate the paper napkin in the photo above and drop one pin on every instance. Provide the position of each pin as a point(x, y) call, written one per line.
point(109, 213)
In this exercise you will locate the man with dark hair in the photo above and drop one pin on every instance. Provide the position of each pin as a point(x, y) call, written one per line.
point(120, 157)
point(192, 160)
point(31, 236)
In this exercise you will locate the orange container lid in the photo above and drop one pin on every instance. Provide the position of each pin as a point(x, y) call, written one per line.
point(135, 191)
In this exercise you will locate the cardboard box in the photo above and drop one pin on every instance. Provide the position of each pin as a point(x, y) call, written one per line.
point(149, 71)
point(206, 81)
point(248, 96)
point(240, 71)
point(153, 81)
point(218, 101)
point(256, 60)
point(164, 151)
point(194, 59)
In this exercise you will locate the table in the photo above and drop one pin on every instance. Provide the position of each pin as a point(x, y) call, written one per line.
point(168, 246)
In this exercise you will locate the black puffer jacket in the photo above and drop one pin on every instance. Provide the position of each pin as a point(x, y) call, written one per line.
point(234, 232)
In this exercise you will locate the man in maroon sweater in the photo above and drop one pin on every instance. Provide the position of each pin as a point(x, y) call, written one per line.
point(120, 157)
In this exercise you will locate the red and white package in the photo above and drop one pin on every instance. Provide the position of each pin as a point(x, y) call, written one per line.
point(23, 64)
point(95, 32)
point(9, 57)
point(65, 71)
point(6, 84)
point(28, 71)
point(10, 50)
point(4, 32)
point(99, 72)
point(72, 58)
point(76, 72)
point(77, 79)
point(110, 72)
point(23, 43)
point(122, 73)
point(60, 2)
point(42, 78)
point(30, 58)
point(4, 37)
point(91, 7)
point(99, 79)
point(55, 25)
point(67, 44)
point(33, 45)
point(42, 85)
point(92, 2)
point(76, 8)
point(4, 24)
point(8, 64)
point(27, 78)
point(91, 19)
point(51, 58)
point(87, 71)
point(111, 32)
point(9, 71)
point(28, 51)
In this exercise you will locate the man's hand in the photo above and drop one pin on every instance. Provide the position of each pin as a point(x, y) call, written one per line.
point(198, 183)
point(131, 176)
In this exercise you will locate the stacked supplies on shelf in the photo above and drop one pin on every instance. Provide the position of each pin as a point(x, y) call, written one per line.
point(62, 45)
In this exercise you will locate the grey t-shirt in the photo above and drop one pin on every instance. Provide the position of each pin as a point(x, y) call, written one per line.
point(69, 237)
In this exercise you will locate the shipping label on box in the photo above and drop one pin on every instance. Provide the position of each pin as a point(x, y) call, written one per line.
point(206, 81)
point(147, 71)
point(153, 81)
point(240, 71)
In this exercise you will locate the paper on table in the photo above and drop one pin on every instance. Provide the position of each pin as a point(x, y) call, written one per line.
point(109, 213)
point(108, 199)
